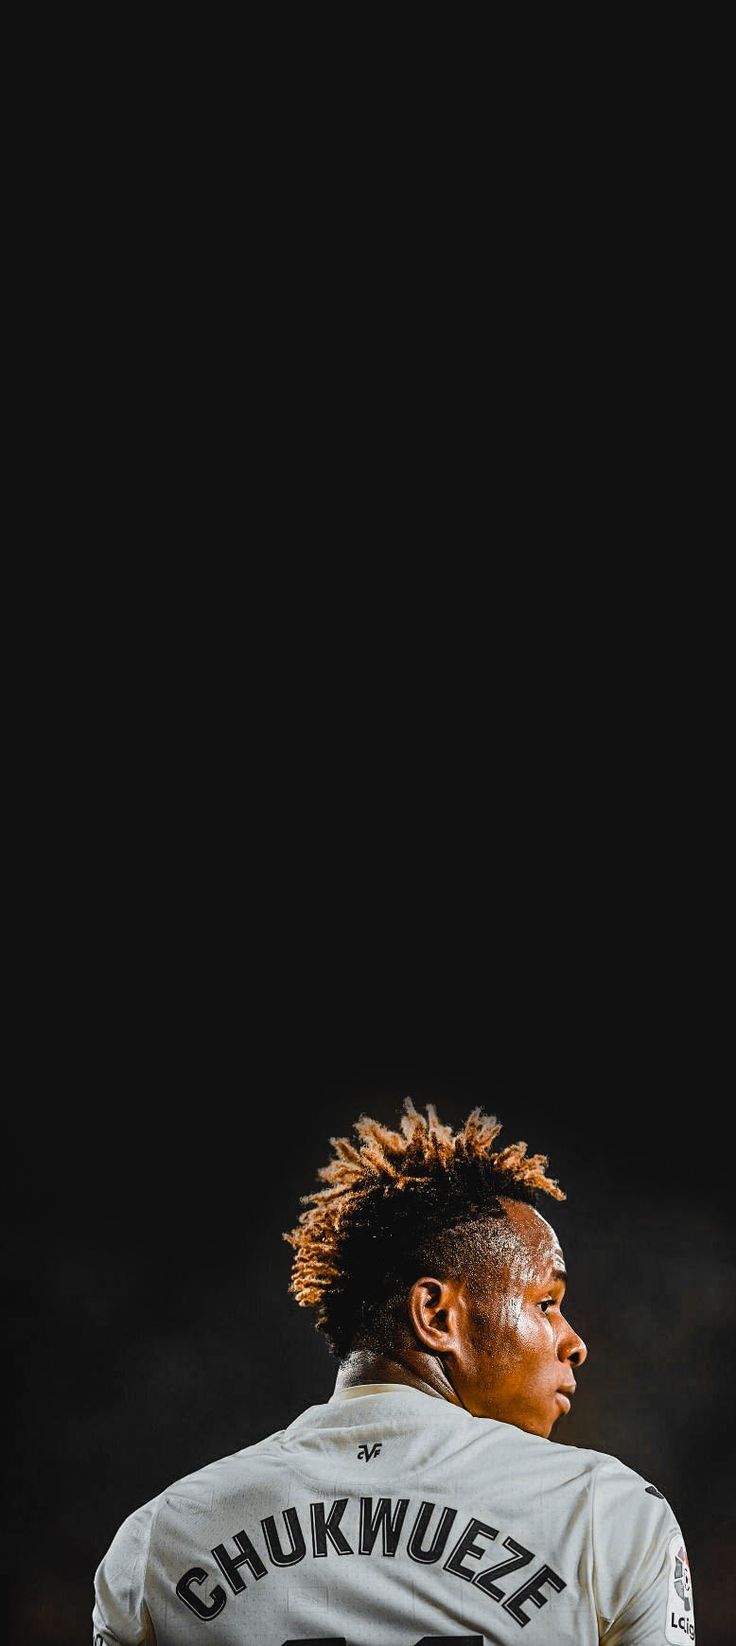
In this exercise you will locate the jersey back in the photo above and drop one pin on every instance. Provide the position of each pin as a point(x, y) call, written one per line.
point(387, 1517)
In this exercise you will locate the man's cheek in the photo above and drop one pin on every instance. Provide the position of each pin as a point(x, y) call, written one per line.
point(531, 1329)
point(511, 1315)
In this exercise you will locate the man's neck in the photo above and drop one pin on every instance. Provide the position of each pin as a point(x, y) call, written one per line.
point(417, 1371)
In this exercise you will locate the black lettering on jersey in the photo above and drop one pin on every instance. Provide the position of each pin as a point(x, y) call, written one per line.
point(247, 1556)
point(296, 1537)
point(466, 1546)
point(531, 1591)
point(195, 1603)
point(484, 1579)
point(389, 1524)
point(427, 1557)
point(652, 1490)
point(322, 1528)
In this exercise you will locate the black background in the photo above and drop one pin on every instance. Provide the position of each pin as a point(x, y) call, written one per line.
point(150, 1326)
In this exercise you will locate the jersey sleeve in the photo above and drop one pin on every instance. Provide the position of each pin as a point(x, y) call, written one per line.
point(120, 1616)
point(641, 1573)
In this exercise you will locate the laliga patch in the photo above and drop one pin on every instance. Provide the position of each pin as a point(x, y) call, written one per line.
point(680, 1622)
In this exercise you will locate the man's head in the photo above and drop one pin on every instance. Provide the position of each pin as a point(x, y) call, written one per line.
point(426, 1250)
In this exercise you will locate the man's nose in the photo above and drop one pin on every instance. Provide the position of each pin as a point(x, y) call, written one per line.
point(572, 1347)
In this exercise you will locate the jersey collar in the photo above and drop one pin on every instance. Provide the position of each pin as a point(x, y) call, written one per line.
point(356, 1389)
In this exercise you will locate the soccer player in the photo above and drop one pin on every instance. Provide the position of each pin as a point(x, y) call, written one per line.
point(424, 1501)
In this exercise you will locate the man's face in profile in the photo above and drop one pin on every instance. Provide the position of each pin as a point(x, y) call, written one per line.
point(517, 1351)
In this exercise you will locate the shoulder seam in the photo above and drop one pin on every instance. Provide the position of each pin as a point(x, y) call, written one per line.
point(599, 1617)
point(153, 1520)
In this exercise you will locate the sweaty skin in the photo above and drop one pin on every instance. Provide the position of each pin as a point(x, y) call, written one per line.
point(497, 1343)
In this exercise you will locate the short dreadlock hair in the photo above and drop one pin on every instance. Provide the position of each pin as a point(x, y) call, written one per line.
point(402, 1204)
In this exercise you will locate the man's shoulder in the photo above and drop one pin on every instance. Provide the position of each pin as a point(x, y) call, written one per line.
point(618, 1496)
point(201, 1490)
point(202, 1485)
point(556, 1461)
point(621, 1488)
point(604, 1468)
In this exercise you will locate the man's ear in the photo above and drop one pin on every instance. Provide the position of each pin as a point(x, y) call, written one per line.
point(434, 1308)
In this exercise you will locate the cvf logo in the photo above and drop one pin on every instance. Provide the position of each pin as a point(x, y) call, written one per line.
point(367, 1452)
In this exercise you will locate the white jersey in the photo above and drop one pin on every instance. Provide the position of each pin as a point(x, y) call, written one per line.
point(389, 1517)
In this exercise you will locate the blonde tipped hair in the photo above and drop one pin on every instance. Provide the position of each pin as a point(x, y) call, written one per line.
point(399, 1187)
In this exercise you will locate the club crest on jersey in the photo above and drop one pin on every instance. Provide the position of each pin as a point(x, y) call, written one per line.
point(366, 1452)
point(680, 1622)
